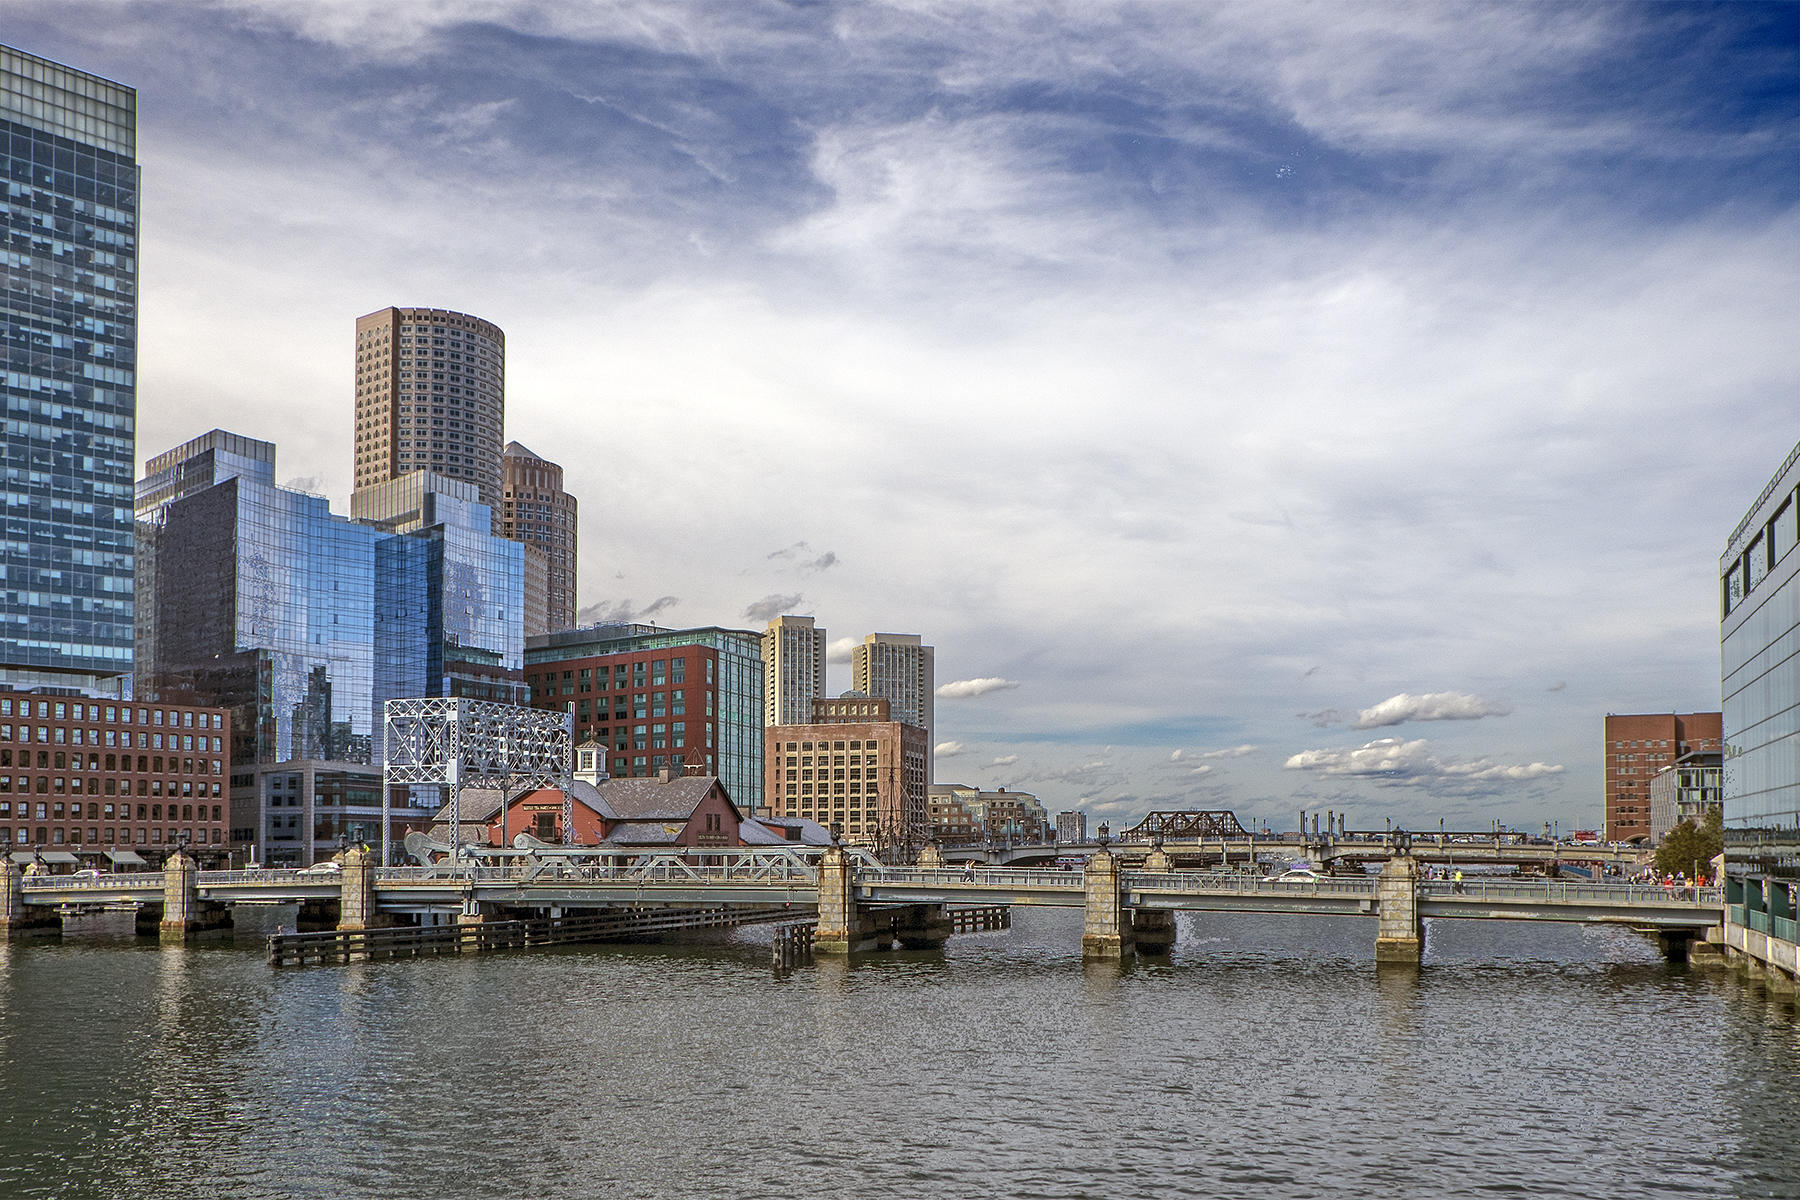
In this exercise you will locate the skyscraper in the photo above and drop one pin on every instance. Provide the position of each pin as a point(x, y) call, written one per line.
point(70, 384)
point(535, 510)
point(896, 667)
point(430, 396)
point(1759, 623)
point(793, 654)
point(1637, 747)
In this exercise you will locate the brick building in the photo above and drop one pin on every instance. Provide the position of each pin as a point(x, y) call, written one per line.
point(82, 776)
point(852, 769)
point(1637, 747)
point(686, 701)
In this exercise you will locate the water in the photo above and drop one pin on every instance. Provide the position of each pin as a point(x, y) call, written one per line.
point(1269, 1059)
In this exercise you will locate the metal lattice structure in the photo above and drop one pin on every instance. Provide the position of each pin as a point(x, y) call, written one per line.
point(456, 743)
point(1193, 823)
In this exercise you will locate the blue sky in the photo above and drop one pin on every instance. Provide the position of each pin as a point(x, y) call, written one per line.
point(1271, 405)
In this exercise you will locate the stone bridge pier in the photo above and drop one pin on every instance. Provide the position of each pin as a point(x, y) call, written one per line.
point(17, 920)
point(1399, 930)
point(1153, 929)
point(844, 928)
point(183, 912)
point(1106, 931)
point(356, 894)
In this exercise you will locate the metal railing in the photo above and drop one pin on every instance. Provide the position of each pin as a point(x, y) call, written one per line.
point(1245, 884)
point(1557, 889)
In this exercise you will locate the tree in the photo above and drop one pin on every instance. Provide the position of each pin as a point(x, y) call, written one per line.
point(1687, 845)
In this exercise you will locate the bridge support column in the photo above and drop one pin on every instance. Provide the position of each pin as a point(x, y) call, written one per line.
point(843, 928)
point(16, 918)
point(1153, 930)
point(182, 912)
point(1674, 943)
point(922, 927)
point(931, 858)
point(1399, 931)
point(1106, 930)
point(356, 892)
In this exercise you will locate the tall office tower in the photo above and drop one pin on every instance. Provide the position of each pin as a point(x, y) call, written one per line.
point(535, 510)
point(70, 379)
point(793, 654)
point(430, 396)
point(896, 667)
point(1637, 747)
point(1759, 622)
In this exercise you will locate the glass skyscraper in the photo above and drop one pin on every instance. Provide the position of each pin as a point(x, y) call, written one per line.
point(1759, 643)
point(70, 301)
point(305, 623)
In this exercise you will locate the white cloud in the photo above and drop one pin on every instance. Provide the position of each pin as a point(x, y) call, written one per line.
point(1393, 762)
point(1232, 752)
point(968, 689)
point(842, 650)
point(1433, 706)
point(1004, 760)
point(948, 749)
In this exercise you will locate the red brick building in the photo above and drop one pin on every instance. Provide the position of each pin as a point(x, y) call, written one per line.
point(1637, 747)
point(82, 776)
point(684, 701)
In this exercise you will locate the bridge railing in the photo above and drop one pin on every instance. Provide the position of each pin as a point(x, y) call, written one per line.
point(998, 877)
point(659, 870)
point(1556, 889)
point(97, 883)
point(1242, 882)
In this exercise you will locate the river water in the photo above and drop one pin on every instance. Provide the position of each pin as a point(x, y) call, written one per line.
point(1268, 1058)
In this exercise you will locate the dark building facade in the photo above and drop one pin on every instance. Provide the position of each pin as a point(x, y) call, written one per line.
point(68, 141)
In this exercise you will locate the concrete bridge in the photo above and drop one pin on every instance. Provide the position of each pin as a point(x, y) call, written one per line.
point(859, 902)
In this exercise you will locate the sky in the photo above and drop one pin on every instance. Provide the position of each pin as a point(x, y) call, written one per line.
point(1258, 406)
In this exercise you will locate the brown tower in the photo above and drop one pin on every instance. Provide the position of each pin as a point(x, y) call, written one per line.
point(535, 510)
point(430, 396)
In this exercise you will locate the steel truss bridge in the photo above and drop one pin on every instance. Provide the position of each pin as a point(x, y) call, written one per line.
point(573, 879)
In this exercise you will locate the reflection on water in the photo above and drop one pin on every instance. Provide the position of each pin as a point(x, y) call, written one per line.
point(1267, 1057)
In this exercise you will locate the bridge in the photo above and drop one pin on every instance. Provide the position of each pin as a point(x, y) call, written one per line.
point(1354, 847)
point(858, 901)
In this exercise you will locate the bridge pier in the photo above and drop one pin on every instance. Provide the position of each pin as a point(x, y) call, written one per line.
point(931, 858)
point(17, 920)
point(843, 927)
point(1153, 930)
point(922, 927)
point(1399, 930)
point(183, 913)
point(1674, 943)
point(1106, 929)
point(356, 892)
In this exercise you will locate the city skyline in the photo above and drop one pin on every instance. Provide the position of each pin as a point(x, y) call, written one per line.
point(1257, 408)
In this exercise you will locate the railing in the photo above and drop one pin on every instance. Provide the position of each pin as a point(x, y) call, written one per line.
point(1759, 921)
point(1246, 884)
point(1785, 928)
point(1555, 889)
point(66, 883)
point(549, 872)
point(1013, 878)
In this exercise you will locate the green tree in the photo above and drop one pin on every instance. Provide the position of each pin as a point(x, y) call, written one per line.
point(1686, 845)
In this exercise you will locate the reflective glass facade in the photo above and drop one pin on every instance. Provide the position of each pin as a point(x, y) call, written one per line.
point(1760, 670)
point(305, 623)
point(69, 216)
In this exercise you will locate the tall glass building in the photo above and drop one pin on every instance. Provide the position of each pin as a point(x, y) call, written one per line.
point(1759, 644)
point(305, 623)
point(69, 141)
